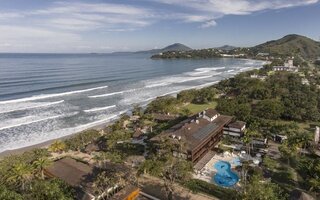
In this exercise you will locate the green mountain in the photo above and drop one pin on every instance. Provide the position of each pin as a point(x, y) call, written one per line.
point(291, 45)
point(173, 47)
point(176, 47)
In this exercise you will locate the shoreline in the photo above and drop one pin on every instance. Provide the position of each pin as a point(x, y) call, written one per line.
point(99, 127)
point(46, 144)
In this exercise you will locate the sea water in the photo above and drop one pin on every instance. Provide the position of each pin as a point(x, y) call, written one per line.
point(47, 96)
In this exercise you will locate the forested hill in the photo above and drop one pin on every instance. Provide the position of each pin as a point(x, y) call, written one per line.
point(172, 47)
point(290, 45)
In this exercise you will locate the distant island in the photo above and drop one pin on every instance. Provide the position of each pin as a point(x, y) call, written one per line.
point(302, 48)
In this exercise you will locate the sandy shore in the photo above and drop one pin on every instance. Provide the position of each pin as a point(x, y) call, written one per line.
point(48, 143)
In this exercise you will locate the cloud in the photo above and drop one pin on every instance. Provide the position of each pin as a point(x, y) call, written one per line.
point(208, 24)
point(201, 10)
point(58, 25)
point(27, 39)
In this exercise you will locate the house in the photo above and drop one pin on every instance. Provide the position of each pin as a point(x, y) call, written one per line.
point(258, 77)
point(263, 54)
point(288, 66)
point(279, 138)
point(138, 134)
point(197, 135)
point(235, 129)
point(80, 176)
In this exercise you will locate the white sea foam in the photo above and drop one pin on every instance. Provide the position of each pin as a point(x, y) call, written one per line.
point(245, 68)
point(111, 94)
point(21, 141)
point(207, 69)
point(6, 109)
point(165, 81)
point(45, 96)
point(157, 85)
point(99, 109)
point(25, 121)
point(106, 95)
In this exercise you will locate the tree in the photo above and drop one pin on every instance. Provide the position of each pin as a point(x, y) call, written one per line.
point(6, 194)
point(137, 110)
point(40, 164)
point(261, 190)
point(287, 151)
point(243, 112)
point(147, 120)
point(53, 189)
point(269, 109)
point(103, 182)
point(177, 170)
point(186, 112)
point(58, 146)
point(20, 175)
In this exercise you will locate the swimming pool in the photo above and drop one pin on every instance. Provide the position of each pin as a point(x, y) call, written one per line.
point(224, 176)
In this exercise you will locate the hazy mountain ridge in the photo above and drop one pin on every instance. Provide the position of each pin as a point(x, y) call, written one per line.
point(226, 48)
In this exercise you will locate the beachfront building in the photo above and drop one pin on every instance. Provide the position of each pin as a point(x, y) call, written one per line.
point(80, 176)
point(198, 135)
point(288, 66)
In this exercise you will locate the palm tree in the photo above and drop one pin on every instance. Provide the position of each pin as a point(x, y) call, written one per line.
point(20, 175)
point(244, 173)
point(120, 179)
point(148, 120)
point(103, 182)
point(40, 164)
point(57, 146)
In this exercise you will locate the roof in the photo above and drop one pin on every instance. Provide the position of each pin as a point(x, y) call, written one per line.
point(80, 175)
point(137, 133)
point(95, 146)
point(163, 117)
point(195, 131)
point(211, 112)
point(91, 148)
point(237, 124)
point(69, 170)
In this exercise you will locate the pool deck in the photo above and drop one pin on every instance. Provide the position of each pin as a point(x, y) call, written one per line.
point(208, 171)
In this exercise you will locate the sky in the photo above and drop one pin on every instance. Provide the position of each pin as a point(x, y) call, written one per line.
point(84, 26)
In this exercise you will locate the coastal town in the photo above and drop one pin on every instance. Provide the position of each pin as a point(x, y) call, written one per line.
point(243, 138)
point(159, 100)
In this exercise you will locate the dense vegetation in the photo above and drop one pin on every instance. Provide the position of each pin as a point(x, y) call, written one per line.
point(21, 177)
point(291, 45)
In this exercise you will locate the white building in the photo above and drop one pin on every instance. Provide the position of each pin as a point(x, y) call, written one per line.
point(287, 66)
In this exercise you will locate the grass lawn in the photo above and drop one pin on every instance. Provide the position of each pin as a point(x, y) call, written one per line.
point(196, 108)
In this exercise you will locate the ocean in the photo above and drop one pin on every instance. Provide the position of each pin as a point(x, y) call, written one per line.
point(48, 96)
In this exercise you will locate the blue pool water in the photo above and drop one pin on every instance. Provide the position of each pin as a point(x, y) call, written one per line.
point(224, 176)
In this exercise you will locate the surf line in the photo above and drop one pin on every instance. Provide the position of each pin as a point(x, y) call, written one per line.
point(45, 96)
